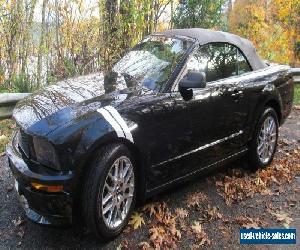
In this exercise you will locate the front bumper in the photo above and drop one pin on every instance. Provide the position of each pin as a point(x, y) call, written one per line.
point(41, 207)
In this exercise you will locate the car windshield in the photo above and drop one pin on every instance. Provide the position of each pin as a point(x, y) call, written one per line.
point(153, 60)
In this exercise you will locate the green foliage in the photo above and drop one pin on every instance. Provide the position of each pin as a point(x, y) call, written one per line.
point(297, 94)
point(201, 14)
point(122, 27)
point(20, 83)
point(70, 67)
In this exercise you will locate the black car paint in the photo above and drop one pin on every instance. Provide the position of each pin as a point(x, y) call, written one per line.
point(211, 128)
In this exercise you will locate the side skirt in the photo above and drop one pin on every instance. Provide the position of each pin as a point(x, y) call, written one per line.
point(158, 189)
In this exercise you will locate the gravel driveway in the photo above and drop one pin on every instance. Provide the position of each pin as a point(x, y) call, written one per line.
point(205, 201)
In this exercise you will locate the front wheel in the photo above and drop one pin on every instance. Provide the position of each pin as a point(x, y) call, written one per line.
point(110, 191)
point(264, 141)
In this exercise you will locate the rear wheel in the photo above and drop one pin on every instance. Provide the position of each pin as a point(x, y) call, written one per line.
point(264, 141)
point(110, 191)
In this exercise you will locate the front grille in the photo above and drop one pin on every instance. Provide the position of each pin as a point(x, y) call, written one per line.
point(24, 143)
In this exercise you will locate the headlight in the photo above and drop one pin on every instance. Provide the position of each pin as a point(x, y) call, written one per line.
point(45, 153)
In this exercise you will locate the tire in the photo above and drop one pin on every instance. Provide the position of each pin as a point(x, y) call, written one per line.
point(101, 197)
point(257, 160)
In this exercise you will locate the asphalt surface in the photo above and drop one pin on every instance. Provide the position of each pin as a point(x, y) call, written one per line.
point(17, 232)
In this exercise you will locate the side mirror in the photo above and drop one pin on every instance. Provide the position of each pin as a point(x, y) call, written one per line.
point(193, 79)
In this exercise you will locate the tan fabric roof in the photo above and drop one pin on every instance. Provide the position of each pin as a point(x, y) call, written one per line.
point(204, 36)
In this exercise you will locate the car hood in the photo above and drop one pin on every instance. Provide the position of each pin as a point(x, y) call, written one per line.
point(58, 104)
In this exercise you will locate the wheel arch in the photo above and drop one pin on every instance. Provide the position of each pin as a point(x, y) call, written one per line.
point(269, 97)
point(273, 103)
point(101, 143)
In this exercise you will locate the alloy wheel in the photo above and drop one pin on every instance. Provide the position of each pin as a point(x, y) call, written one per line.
point(267, 139)
point(118, 191)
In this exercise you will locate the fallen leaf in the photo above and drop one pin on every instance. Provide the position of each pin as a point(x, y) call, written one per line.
point(197, 227)
point(151, 208)
point(247, 222)
point(144, 245)
point(136, 220)
point(213, 213)
point(196, 199)
point(181, 213)
point(283, 217)
point(157, 209)
point(200, 234)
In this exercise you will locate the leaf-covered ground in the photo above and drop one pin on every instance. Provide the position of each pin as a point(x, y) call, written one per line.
point(6, 128)
point(204, 213)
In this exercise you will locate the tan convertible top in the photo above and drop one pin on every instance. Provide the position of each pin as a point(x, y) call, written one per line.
point(205, 36)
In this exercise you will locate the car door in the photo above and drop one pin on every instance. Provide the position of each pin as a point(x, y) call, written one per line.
point(167, 136)
point(218, 112)
point(224, 68)
point(195, 133)
point(184, 129)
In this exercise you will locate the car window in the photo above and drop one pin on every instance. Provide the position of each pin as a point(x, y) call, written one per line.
point(218, 61)
point(243, 65)
point(152, 61)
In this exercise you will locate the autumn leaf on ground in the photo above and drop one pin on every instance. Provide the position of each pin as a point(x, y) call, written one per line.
point(196, 199)
point(175, 232)
point(200, 234)
point(163, 227)
point(156, 209)
point(247, 222)
point(240, 185)
point(123, 245)
point(266, 192)
point(284, 218)
point(181, 213)
point(197, 227)
point(158, 236)
point(136, 220)
point(144, 245)
point(259, 182)
point(213, 213)
point(150, 208)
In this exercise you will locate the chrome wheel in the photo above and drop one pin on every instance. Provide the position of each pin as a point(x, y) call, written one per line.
point(267, 139)
point(118, 192)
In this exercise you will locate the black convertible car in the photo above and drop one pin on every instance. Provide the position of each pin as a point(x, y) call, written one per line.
point(179, 103)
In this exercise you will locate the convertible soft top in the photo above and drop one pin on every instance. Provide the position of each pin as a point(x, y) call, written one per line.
point(205, 36)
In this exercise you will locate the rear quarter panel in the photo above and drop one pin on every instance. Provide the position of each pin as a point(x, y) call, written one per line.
point(273, 83)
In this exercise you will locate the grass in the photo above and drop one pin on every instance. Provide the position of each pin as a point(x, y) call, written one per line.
point(297, 94)
point(6, 128)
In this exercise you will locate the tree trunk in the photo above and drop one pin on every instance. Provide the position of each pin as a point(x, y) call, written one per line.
point(110, 28)
point(57, 25)
point(26, 38)
point(41, 46)
point(13, 38)
point(172, 13)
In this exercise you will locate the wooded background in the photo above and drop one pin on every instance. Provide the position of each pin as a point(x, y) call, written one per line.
point(43, 41)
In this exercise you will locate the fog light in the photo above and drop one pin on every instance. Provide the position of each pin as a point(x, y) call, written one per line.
point(47, 188)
